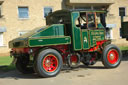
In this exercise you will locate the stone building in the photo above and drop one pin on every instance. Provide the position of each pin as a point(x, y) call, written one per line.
point(19, 16)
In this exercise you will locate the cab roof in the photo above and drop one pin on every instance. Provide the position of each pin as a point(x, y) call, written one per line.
point(69, 11)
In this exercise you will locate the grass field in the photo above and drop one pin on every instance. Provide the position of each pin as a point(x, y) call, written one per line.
point(5, 64)
point(123, 48)
point(5, 60)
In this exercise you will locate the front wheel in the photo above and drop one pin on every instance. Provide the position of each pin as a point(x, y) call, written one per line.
point(48, 63)
point(111, 56)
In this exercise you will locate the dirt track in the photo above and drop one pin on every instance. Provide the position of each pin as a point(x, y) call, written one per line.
point(95, 75)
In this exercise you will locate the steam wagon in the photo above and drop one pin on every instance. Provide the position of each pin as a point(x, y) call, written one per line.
point(69, 38)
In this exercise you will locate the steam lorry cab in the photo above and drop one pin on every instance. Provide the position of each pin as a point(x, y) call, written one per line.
point(69, 38)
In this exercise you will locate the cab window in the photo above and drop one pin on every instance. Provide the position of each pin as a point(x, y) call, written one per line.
point(91, 20)
point(81, 21)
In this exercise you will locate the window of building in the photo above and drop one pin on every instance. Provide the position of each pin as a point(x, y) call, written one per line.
point(47, 10)
point(120, 33)
point(1, 9)
point(109, 30)
point(23, 12)
point(1, 38)
point(122, 11)
point(109, 33)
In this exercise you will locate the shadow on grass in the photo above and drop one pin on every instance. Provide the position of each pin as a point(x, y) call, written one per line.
point(7, 68)
point(14, 74)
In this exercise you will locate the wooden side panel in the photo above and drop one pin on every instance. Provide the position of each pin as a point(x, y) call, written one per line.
point(53, 30)
point(33, 42)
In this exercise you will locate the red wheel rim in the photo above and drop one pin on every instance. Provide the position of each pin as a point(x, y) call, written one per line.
point(50, 63)
point(113, 56)
point(74, 58)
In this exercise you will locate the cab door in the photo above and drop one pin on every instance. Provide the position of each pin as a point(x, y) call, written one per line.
point(90, 24)
point(85, 39)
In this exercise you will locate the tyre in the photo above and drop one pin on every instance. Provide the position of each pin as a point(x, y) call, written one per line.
point(48, 63)
point(74, 60)
point(22, 66)
point(89, 59)
point(111, 56)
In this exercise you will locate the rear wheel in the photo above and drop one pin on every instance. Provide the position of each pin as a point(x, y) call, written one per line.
point(22, 65)
point(74, 60)
point(111, 56)
point(48, 63)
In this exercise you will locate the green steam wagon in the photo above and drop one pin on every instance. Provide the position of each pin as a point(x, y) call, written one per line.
point(69, 38)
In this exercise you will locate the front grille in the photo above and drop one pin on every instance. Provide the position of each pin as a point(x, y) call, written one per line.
point(18, 44)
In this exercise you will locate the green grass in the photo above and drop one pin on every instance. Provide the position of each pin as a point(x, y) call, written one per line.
point(5, 64)
point(123, 48)
point(7, 68)
point(5, 60)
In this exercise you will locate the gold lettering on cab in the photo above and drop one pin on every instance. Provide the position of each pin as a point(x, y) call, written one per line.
point(97, 38)
point(97, 33)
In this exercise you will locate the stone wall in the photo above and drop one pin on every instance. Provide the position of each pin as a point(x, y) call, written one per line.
point(15, 25)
